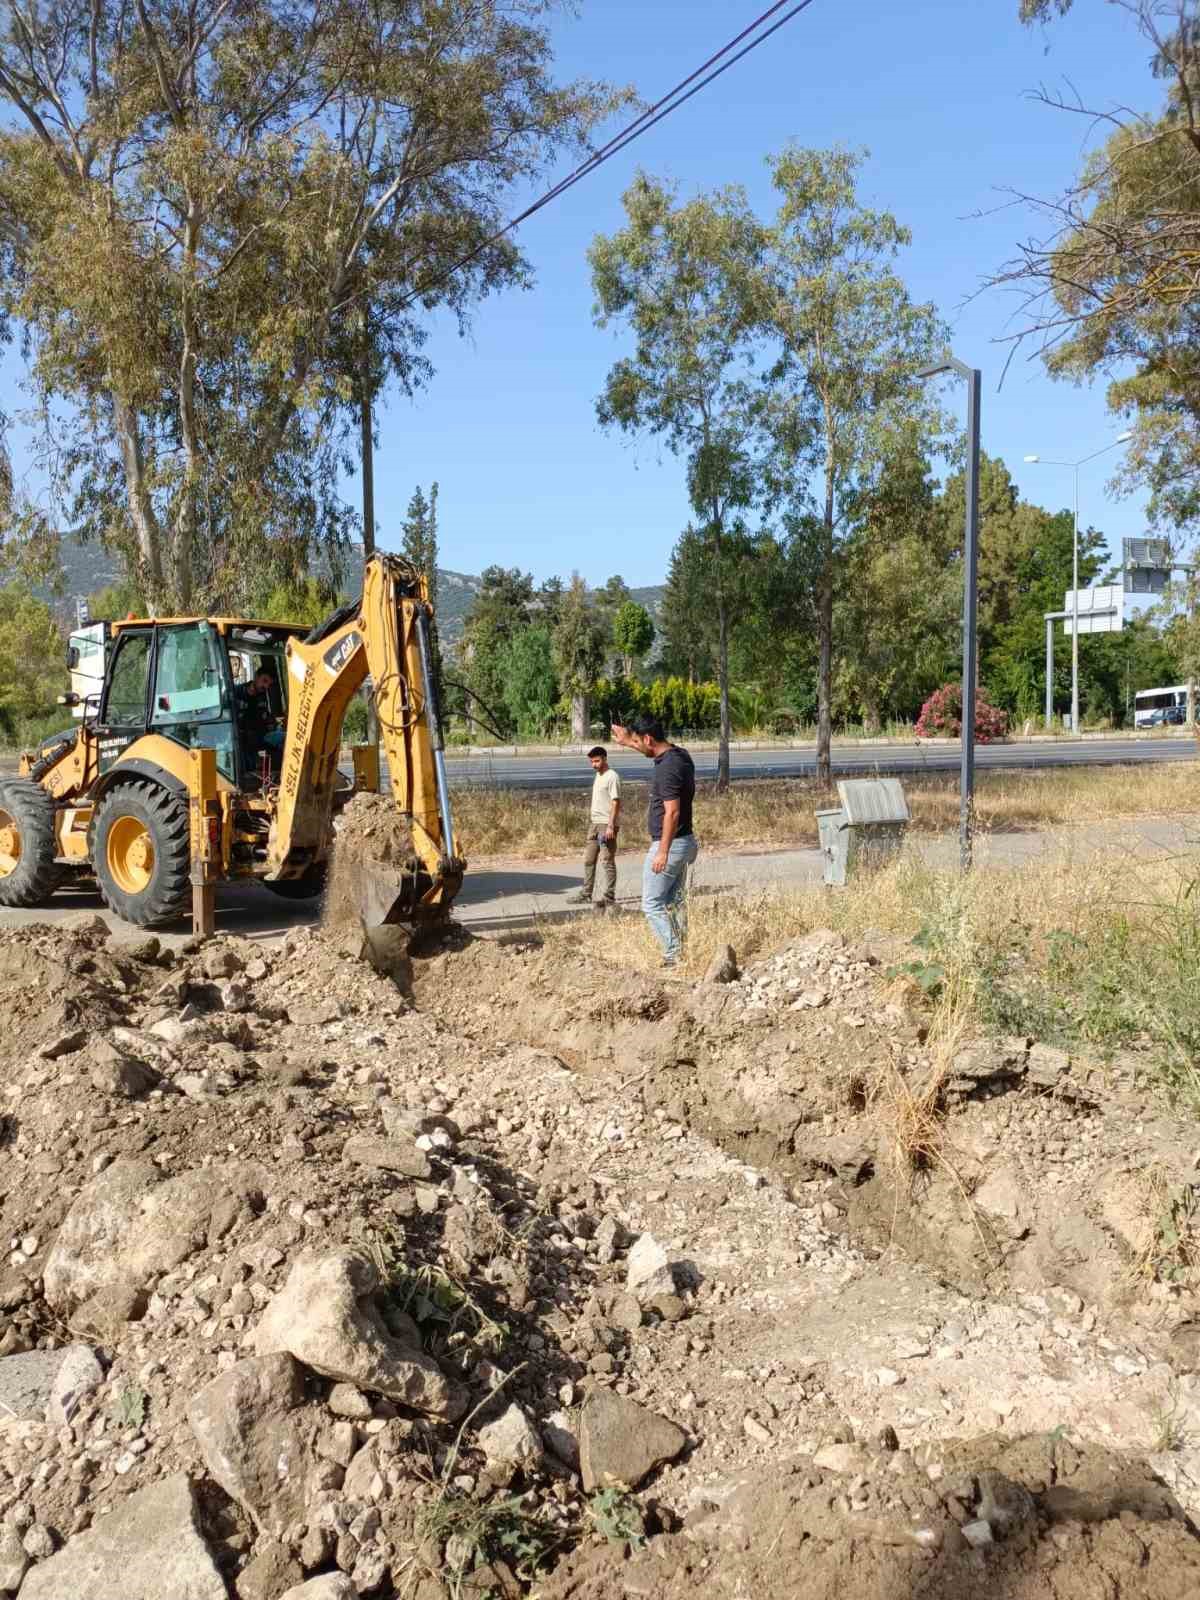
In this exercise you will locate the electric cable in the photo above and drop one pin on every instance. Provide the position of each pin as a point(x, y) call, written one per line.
point(641, 124)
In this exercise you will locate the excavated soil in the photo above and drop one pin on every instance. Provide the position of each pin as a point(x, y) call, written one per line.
point(979, 1378)
point(372, 839)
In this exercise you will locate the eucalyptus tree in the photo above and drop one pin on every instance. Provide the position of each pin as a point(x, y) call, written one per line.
point(682, 276)
point(206, 209)
point(842, 397)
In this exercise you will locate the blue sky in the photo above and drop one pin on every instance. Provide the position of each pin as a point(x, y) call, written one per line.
point(939, 91)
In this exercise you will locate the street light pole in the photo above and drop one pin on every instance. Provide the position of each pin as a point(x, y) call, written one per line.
point(1045, 461)
point(966, 784)
point(1075, 612)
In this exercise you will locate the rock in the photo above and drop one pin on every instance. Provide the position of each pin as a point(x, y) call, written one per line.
point(985, 1063)
point(64, 1043)
point(1003, 1197)
point(38, 1542)
point(723, 968)
point(79, 1375)
point(848, 1459)
point(753, 1429)
point(252, 1440)
point(648, 1271)
point(114, 1072)
point(105, 1314)
point(143, 948)
point(146, 1548)
point(270, 1570)
point(560, 1433)
point(324, 1316)
point(609, 1237)
point(13, 1560)
point(667, 1306)
point(27, 1381)
point(387, 1155)
point(621, 1441)
point(888, 1377)
point(625, 1312)
point(511, 1441)
point(1047, 1065)
point(347, 1401)
point(129, 1226)
point(88, 923)
point(977, 1533)
point(330, 1586)
point(401, 1122)
point(219, 961)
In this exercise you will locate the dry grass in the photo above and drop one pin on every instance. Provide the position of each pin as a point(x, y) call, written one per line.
point(531, 824)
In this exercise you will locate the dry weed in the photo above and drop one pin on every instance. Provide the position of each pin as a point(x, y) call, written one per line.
point(531, 824)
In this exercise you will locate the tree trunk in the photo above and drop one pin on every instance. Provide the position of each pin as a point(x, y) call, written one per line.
point(367, 426)
point(581, 720)
point(141, 510)
point(824, 678)
point(872, 721)
point(183, 554)
point(723, 685)
point(825, 635)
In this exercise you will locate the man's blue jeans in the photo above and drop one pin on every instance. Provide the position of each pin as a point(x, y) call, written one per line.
point(664, 894)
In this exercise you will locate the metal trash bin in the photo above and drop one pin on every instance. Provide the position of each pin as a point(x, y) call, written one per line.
point(866, 831)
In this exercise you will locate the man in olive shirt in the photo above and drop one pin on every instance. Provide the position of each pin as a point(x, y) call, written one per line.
point(602, 831)
point(673, 846)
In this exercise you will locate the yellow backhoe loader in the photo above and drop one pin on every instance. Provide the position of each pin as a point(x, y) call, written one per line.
point(210, 754)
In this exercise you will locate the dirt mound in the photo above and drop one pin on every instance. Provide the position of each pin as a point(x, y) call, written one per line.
point(1033, 1519)
point(373, 853)
point(612, 1217)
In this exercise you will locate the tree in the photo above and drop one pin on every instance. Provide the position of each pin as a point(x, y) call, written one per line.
point(116, 601)
point(681, 277)
point(633, 634)
point(530, 686)
point(419, 543)
point(502, 608)
point(687, 616)
point(580, 643)
point(223, 221)
point(843, 397)
point(32, 658)
point(896, 620)
point(1108, 280)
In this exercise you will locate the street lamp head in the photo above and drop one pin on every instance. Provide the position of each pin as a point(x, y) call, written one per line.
point(1033, 458)
point(1124, 438)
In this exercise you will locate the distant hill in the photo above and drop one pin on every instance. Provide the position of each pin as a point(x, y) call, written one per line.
point(88, 567)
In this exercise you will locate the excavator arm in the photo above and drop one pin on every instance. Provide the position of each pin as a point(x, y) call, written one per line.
point(386, 635)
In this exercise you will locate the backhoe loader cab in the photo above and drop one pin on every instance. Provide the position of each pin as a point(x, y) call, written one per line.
point(210, 752)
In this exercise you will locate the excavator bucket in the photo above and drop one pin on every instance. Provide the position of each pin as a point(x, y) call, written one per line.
point(378, 890)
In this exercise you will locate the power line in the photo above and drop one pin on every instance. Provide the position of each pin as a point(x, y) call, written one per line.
point(648, 119)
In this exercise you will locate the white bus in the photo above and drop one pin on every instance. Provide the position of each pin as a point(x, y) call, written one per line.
point(1157, 708)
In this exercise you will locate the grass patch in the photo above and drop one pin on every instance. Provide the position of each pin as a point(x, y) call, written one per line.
point(530, 824)
point(1100, 951)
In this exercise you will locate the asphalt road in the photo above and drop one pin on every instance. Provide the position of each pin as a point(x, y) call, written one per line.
point(572, 771)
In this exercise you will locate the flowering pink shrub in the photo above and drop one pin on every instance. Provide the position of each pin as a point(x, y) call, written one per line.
point(941, 716)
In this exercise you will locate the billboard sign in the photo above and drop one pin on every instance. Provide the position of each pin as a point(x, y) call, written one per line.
point(1147, 564)
point(1101, 610)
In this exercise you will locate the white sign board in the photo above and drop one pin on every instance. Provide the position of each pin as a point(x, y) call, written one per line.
point(1101, 610)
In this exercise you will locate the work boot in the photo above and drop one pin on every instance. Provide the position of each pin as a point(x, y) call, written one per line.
point(579, 898)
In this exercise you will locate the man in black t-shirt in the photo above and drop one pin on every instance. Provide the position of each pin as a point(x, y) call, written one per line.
point(673, 845)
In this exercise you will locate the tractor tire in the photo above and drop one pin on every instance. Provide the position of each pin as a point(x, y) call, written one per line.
point(306, 888)
point(141, 853)
point(29, 873)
